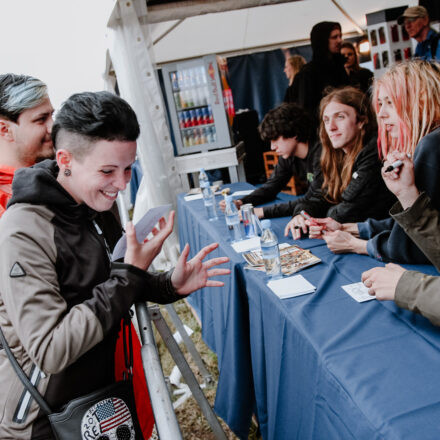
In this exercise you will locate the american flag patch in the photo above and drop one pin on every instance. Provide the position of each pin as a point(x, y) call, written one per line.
point(110, 417)
point(112, 413)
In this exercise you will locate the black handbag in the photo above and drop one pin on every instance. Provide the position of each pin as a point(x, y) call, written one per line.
point(106, 414)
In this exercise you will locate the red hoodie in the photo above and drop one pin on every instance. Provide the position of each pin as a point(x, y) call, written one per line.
point(6, 176)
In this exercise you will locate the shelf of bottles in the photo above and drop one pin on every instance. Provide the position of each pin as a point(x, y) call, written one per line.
point(194, 111)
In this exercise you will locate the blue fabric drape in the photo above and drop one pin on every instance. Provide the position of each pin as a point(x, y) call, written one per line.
point(258, 81)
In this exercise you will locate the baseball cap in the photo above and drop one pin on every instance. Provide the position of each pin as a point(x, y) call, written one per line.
point(413, 12)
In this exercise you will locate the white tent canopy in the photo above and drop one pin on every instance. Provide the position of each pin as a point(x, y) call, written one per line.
point(252, 28)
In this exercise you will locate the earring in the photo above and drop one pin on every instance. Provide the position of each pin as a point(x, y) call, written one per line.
point(67, 172)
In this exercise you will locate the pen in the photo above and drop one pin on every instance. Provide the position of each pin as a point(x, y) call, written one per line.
point(307, 217)
point(393, 166)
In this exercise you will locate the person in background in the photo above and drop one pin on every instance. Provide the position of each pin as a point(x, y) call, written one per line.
point(415, 19)
point(348, 185)
point(325, 70)
point(407, 103)
point(292, 66)
point(61, 298)
point(290, 132)
point(358, 76)
point(25, 127)
point(410, 289)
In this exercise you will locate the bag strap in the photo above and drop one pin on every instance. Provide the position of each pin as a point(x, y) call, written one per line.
point(23, 378)
point(128, 356)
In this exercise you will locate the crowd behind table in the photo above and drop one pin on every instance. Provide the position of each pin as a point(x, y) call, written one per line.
point(371, 187)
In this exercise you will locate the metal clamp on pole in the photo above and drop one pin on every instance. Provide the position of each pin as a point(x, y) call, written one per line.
point(164, 415)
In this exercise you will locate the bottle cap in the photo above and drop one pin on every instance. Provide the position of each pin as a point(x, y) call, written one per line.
point(265, 224)
point(202, 170)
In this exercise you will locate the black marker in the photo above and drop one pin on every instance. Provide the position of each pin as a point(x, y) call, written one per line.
point(393, 166)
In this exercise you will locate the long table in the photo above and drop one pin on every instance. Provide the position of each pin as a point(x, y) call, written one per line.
point(318, 366)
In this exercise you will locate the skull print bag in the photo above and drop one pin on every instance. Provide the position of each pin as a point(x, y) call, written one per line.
point(106, 414)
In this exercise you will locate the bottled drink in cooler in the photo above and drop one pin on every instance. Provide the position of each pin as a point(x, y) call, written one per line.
point(232, 220)
point(270, 251)
point(177, 100)
point(209, 200)
point(174, 81)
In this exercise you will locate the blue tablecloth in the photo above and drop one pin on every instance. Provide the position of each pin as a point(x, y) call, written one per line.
point(319, 366)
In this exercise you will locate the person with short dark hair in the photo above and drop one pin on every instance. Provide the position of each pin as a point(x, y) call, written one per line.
point(290, 132)
point(25, 127)
point(61, 298)
point(358, 76)
point(415, 20)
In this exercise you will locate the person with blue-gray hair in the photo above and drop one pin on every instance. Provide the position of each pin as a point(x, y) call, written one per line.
point(25, 128)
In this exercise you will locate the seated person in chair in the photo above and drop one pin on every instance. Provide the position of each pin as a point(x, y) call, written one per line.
point(290, 132)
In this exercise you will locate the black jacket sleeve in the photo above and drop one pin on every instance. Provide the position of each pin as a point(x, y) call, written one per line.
point(283, 172)
point(314, 180)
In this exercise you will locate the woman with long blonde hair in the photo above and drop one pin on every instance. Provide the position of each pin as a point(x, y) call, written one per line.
point(348, 185)
point(407, 103)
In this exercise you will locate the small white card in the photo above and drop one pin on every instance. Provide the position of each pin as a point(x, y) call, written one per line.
point(246, 245)
point(143, 227)
point(243, 193)
point(291, 286)
point(358, 292)
point(193, 197)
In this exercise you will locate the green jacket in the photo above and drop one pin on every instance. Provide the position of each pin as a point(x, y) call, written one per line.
point(416, 291)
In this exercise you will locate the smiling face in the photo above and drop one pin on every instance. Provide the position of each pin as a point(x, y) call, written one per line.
point(387, 114)
point(32, 134)
point(341, 124)
point(97, 178)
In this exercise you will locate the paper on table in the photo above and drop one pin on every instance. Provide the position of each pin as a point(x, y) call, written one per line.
point(246, 245)
point(358, 292)
point(291, 286)
point(193, 197)
point(243, 193)
point(143, 227)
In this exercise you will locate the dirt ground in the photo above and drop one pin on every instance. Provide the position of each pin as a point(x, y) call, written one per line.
point(192, 423)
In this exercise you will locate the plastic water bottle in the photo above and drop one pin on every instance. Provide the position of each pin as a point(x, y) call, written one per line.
point(203, 177)
point(232, 220)
point(209, 201)
point(270, 251)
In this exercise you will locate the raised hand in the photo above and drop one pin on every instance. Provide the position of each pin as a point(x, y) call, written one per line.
point(141, 255)
point(189, 276)
point(382, 281)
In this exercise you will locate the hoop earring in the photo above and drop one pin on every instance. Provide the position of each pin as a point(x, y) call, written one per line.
point(67, 172)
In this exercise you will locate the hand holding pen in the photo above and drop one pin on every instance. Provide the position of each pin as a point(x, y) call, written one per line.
point(398, 175)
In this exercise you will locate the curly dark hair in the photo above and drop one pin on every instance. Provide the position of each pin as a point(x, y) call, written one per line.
point(289, 121)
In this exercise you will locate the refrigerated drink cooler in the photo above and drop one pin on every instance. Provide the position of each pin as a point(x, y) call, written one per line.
point(195, 100)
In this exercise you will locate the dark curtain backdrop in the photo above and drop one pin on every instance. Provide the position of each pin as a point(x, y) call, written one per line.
point(257, 80)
